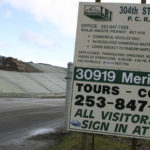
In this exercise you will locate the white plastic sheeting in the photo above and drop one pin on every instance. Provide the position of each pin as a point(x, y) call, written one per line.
point(51, 82)
point(48, 68)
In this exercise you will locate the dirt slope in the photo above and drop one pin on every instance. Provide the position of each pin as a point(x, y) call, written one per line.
point(12, 64)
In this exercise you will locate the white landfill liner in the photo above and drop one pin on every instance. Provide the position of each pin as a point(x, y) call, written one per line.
point(50, 82)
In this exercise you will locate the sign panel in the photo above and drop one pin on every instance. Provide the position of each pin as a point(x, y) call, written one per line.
point(111, 82)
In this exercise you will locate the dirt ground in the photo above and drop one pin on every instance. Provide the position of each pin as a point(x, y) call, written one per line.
point(45, 141)
point(39, 142)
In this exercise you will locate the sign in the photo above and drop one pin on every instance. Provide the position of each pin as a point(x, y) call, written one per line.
point(111, 81)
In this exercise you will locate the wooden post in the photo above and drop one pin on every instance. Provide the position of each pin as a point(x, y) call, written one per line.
point(143, 1)
point(134, 143)
point(93, 143)
point(84, 141)
point(93, 136)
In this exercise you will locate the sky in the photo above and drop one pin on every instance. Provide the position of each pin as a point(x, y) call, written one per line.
point(41, 31)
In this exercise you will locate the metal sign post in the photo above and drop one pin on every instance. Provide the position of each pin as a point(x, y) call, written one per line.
point(68, 93)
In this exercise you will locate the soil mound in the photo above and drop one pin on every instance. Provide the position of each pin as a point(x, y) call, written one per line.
point(12, 64)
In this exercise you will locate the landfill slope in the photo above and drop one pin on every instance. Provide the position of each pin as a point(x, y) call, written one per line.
point(48, 81)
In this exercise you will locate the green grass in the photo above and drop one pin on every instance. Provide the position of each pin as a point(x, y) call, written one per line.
point(73, 141)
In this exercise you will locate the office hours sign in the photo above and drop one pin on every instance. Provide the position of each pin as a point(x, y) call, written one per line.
point(111, 76)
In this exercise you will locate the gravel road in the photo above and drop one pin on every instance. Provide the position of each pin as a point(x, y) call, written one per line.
point(21, 119)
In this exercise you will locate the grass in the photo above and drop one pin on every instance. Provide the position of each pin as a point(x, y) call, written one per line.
point(73, 141)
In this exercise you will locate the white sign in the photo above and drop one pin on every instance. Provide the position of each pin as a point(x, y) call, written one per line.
point(111, 82)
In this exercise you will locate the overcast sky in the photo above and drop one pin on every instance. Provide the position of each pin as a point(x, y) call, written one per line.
point(40, 30)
